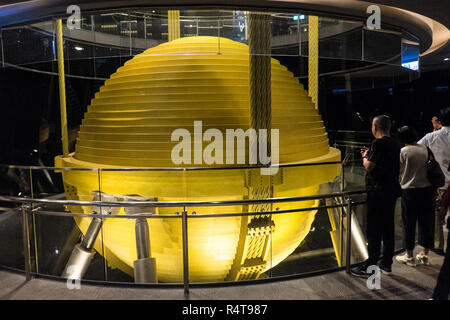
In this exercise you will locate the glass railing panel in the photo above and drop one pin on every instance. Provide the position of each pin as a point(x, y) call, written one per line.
point(11, 236)
point(305, 241)
point(124, 238)
point(216, 245)
point(353, 173)
point(59, 247)
point(301, 229)
point(68, 245)
point(16, 222)
point(143, 250)
point(359, 251)
point(353, 176)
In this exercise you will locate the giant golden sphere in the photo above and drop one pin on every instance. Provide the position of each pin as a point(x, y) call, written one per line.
point(129, 124)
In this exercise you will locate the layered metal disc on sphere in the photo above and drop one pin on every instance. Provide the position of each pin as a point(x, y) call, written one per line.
point(132, 117)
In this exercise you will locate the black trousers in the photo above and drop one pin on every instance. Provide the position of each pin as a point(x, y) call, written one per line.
point(418, 206)
point(380, 225)
point(442, 289)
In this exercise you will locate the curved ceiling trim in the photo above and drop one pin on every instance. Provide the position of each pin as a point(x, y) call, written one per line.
point(432, 34)
point(440, 33)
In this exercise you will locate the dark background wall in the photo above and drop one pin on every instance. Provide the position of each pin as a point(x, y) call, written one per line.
point(29, 104)
point(413, 103)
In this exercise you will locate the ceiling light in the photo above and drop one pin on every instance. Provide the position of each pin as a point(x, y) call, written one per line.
point(79, 48)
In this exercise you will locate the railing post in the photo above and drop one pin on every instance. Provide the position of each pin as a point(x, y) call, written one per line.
point(341, 220)
point(145, 28)
point(349, 235)
point(184, 227)
point(341, 231)
point(26, 242)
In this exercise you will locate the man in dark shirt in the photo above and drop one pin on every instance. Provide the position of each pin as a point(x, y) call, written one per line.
point(382, 163)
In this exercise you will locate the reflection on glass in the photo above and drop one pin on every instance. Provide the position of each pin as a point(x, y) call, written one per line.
point(388, 53)
point(130, 32)
point(316, 251)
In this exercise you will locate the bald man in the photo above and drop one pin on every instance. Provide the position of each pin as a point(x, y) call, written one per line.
point(382, 164)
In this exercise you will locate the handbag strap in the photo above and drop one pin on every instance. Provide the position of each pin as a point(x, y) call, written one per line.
point(430, 155)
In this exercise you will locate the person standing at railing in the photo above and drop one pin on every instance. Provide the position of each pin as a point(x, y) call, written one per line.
point(382, 163)
point(418, 196)
point(439, 142)
point(442, 289)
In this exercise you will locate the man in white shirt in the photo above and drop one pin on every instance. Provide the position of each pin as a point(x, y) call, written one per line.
point(439, 142)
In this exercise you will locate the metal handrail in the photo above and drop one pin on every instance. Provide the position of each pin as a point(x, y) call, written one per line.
point(178, 215)
point(255, 167)
point(350, 131)
point(177, 203)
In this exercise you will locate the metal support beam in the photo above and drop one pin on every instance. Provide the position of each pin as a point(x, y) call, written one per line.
point(349, 236)
point(313, 59)
point(83, 253)
point(62, 88)
point(26, 242)
point(173, 21)
point(184, 227)
point(341, 233)
point(144, 265)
